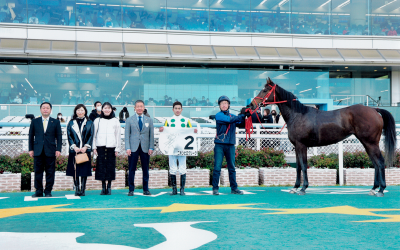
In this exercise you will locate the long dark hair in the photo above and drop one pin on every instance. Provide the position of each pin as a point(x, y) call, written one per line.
point(60, 119)
point(112, 115)
point(74, 116)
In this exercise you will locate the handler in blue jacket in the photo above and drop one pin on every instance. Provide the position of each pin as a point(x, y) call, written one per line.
point(225, 144)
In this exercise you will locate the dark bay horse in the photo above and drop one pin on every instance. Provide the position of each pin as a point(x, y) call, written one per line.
point(310, 127)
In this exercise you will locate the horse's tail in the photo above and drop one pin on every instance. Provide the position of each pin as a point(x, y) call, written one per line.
point(389, 130)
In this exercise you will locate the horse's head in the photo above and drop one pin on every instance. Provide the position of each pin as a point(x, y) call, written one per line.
point(259, 99)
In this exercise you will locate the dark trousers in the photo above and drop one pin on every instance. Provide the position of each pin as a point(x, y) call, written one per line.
point(144, 159)
point(221, 150)
point(48, 164)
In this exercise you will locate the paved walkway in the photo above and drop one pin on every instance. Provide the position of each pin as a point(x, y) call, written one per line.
point(263, 218)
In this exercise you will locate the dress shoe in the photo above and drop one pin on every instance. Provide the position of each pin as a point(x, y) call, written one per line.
point(37, 195)
point(215, 192)
point(48, 195)
point(146, 193)
point(131, 193)
point(236, 191)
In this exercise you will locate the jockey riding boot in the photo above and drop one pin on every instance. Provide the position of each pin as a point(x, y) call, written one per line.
point(77, 188)
point(83, 185)
point(183, 181)
point(173, 182)
point(109, 188)
point(103, 190)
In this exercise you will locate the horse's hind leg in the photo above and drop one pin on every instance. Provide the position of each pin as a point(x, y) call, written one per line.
point(378, 161)
point(298, 175)
point(382, 179)
point(376, 181)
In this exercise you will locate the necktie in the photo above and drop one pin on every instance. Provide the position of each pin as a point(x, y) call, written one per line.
point(44, 125)
point(140, 123)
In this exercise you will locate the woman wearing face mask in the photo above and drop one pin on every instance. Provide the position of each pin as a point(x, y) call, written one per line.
point(60, 118)
point(96, 112)
point(80, 137)
point(106, 142)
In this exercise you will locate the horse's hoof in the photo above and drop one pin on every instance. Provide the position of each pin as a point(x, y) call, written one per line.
point(372, 192)
point(293, 191)
point(301, 192)
point(379, 194)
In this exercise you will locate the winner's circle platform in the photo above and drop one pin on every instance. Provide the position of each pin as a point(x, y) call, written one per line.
point(262, 218)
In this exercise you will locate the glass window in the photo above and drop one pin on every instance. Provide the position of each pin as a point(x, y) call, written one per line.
point(13, 12)
point(270, 16)
point(14, 85)
point(303, 84)
point(153, 80)
point(385, 18)
point(24, 87)
point(367, 88)
point(350, 17)
point(50, 12)
point(188, 15)
point(223, 82)
point(144, 15)
point(311, 17)
point(230, 16)
point(100, 13)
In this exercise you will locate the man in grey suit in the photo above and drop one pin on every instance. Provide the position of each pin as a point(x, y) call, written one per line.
point(139, 141)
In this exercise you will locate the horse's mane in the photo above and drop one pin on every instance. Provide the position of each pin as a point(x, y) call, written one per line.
point(292, 101)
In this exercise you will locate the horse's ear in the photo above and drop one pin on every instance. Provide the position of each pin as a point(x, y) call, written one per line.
point(269, 82)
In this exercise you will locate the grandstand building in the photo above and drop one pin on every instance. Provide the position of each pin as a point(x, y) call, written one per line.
point(341, 52)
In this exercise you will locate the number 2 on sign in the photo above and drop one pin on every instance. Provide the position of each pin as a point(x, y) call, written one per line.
point(190, 142)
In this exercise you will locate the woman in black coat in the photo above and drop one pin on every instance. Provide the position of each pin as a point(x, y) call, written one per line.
point(80, 138)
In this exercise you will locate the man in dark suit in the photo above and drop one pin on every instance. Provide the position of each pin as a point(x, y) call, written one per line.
point(45, 140)
point(139, 141)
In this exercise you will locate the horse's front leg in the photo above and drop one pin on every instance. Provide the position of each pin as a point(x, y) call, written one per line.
point(301, 152)
point(298, 175)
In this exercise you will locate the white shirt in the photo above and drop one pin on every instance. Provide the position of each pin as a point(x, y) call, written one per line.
point(107, 133)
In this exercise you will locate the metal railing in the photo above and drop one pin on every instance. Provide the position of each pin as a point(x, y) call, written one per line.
point(348, 100)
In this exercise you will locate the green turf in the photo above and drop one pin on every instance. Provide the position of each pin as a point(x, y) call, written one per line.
point(236, 229)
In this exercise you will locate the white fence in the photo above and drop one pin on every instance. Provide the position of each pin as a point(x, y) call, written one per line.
point(13, 145)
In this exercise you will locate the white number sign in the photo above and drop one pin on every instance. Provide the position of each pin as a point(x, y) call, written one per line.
point(177, 141)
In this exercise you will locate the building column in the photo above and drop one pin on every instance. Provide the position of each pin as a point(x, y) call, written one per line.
point(395, 87)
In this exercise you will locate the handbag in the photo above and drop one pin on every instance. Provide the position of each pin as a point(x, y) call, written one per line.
point(81, 158)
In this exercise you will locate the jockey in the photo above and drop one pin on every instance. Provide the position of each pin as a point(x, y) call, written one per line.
point(177, 162)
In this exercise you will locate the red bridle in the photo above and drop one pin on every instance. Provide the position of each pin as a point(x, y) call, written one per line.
point(249, 122)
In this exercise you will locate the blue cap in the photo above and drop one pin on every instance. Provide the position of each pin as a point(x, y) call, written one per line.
point(224, 98)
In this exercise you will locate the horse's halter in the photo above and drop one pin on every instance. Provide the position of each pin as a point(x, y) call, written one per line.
point(263, 102)
point(249, 123)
